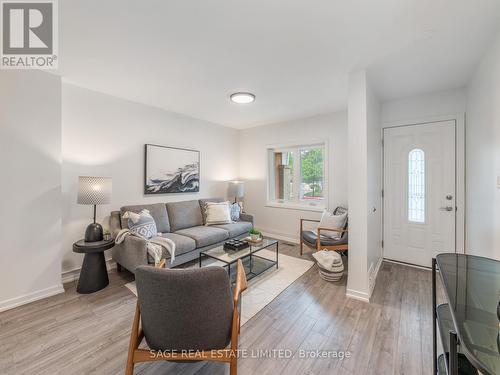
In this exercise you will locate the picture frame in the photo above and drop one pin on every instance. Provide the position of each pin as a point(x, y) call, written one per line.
point(171, 170)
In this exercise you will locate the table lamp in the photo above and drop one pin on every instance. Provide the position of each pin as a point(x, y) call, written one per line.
point(94, 191)
point(236, 189)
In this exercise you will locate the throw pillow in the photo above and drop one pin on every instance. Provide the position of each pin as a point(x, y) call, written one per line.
point(141, 223)
point(217, 213)
point(235, 212)
point(329, 220)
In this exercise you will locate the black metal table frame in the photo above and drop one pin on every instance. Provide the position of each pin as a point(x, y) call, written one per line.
point(250, 274)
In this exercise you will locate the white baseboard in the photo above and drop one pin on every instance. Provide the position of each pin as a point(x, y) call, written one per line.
point(280, 236)
point(74, 274)
point(361, 296)
point(31, 297)
point(407, 264)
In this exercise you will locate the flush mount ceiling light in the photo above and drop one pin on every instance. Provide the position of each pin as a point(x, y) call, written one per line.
point(242, 97)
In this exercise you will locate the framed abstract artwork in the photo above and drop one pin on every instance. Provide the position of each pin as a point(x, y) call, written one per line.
point(170, 170)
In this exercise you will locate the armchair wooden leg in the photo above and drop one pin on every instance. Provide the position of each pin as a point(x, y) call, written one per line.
point(134, 341)
point(301, 247)
point(233, 367)
point(129, 370)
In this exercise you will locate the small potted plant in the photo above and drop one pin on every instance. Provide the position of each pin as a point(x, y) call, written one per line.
point(254, 234)
point(107, 234)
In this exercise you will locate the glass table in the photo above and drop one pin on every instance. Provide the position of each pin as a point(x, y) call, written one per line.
point(254, 264)
point(468, 324)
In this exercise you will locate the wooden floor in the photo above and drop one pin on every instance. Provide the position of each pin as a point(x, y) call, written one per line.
point(88, 334)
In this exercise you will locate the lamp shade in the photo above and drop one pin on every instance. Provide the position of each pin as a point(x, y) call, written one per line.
point(94, 190)
point(236, 189)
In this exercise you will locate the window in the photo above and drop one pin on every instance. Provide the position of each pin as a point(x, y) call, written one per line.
point(416, 186)
point(297, 175)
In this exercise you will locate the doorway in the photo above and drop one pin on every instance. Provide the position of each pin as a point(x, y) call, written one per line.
point(420, 195)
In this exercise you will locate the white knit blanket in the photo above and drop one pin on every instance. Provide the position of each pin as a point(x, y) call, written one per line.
point(154, 245)
point(329, 260)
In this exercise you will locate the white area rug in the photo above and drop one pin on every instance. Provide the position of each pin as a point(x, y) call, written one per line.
point(266, 287)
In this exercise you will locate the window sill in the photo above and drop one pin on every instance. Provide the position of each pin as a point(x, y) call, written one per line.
point(295, 206)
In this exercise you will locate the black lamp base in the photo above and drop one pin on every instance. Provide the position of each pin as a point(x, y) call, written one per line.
point(94, 233)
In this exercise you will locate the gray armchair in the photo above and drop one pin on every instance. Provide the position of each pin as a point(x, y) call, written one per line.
point(186, 315)
point(318, 241)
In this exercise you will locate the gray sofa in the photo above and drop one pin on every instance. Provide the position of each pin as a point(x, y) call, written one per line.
point(183, 223)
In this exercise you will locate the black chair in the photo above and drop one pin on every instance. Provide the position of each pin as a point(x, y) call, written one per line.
point(186, 315)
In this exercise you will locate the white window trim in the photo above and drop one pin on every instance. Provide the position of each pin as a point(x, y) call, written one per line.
point(297, 204)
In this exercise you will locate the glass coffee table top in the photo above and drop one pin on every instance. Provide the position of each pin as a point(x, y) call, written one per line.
point(253, 264)
point(472, 285)
point(231, 256)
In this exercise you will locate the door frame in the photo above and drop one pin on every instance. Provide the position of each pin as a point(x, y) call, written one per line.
point(460, 171)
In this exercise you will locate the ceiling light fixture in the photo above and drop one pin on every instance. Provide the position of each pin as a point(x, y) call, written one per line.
point(242, 98)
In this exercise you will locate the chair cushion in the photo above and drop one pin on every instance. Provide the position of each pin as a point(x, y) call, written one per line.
point(310, 237)
point(331, 220)
point(203, 235)
point(185, 309)
point(236, 228)
point(184, 214)
point(157, 210)
point(342, 210)
point(183, 244)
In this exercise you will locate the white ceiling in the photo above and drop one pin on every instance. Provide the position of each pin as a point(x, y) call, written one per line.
point(294, 55)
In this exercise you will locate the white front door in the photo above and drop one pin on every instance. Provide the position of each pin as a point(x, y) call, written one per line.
point(419, 192)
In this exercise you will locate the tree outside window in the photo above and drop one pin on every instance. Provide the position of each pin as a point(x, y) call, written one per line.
point(297, 175)
point(311, 164)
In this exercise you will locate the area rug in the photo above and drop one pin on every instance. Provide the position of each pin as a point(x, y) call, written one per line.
point(266, 287)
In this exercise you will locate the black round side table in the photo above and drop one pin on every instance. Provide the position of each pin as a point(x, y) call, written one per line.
point(93, 275)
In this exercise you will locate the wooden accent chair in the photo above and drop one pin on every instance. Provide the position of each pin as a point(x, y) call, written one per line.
point(186, 315)
point(318, 241)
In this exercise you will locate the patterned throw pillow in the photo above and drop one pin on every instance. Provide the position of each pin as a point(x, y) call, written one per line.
point(141, 224)
point(235, 212)
point(217, 213)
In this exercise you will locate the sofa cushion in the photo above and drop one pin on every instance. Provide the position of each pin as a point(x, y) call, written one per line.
point(204, 235)
point(183, 244)
point(236, 228)
point(235, 209)
point(202, 205)
point(157, 210)
point(184, 214)
point(217, 213)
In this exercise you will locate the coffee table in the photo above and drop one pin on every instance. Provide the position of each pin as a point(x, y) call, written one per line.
point(254, 264)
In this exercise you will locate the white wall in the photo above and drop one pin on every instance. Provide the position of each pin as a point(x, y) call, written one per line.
point(364, 183)
point(105, 136)
point(374, 184)
point(30, 150)
point(483, 157)
point(357, 280)
point(253, 167)
point(421, 107)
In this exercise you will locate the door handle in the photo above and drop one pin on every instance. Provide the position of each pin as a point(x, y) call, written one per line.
point(447, 208)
